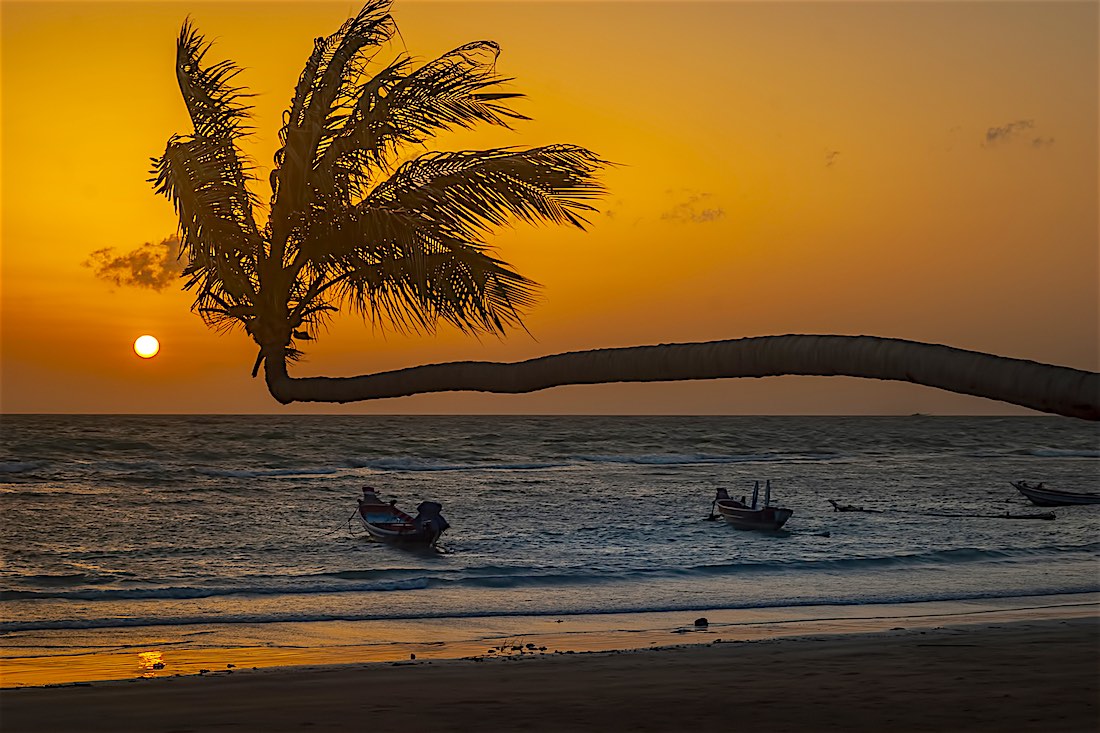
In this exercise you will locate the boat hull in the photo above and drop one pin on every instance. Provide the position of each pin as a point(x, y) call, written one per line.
point(742, 517)
point(387, 523)
point(411, 536)
point(1046, 497)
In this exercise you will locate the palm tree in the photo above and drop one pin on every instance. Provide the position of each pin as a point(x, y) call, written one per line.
point(404, 243)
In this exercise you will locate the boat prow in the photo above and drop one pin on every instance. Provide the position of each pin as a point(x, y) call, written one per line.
point(1040, 495)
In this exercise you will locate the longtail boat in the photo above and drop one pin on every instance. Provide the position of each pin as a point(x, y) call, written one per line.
point(384, 521)
point(743, 515)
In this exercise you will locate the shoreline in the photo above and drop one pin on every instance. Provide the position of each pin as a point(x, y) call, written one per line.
point(1022, 675)
point(143, 653)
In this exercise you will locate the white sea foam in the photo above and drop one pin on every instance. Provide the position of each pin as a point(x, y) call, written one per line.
point(266, 473)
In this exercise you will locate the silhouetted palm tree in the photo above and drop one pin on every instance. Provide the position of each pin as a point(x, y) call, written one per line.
point(405, 244)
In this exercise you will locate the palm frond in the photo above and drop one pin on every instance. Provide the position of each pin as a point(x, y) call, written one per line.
point(414, 288)
point(196, 174)
point(205, 175)
point(322, 97)
point(411, 253)
point(472, 192)
point(398, 107)
point(451, 92)
point(220, 306)
point(214, 103)
point(399, 268)
point(218, 237)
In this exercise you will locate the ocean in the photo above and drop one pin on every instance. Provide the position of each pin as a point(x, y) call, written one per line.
point(148, 522)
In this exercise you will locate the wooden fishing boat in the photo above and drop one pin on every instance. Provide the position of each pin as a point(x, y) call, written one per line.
point(743, 515)
point(1042, 496)
point(384, 521)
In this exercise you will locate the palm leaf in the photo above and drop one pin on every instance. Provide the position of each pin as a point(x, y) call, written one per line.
point(215, 105)
point(412, 251)
point(397, 107)
point(218, 238)
point(472, 192)
point(325, 90)
point(206, 178)
point(441, 280)
point(396, 266)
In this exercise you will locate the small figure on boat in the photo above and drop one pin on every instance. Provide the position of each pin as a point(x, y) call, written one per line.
point(370, 496)
point(742, 515)
point(385, 521)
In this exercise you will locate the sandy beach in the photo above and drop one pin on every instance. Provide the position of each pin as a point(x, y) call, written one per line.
point(1039, 675)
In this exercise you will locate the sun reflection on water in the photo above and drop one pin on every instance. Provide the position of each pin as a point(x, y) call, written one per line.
point(150, 662)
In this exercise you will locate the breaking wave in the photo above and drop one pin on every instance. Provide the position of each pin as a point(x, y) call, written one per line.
point(382, 580)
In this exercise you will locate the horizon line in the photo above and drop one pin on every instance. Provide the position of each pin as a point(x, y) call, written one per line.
point(508, 414)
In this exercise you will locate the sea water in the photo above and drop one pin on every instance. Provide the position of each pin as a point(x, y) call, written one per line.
point(127, 522)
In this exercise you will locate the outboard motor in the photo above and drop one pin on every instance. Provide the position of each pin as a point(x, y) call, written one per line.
point(429, 520)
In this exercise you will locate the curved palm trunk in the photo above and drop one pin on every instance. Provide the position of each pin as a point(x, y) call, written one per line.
point(1043, 387)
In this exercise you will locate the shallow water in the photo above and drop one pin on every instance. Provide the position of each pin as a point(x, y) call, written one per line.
point(137, 521)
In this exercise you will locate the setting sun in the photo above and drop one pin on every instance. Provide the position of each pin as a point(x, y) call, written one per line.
point(146, 347)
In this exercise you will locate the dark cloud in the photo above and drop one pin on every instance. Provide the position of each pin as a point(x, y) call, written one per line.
point(694, 210)
point(153, 266)
point(1023, 131)
point(1004, 133)
point(612, 211)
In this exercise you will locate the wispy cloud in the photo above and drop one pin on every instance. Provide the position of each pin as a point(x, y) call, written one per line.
point(152, 265)
point(1004, 133)
point(830, 157)
point(1022, 130)
point(696, 208)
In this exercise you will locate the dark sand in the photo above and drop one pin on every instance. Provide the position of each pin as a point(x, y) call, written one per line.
point(1020, 676)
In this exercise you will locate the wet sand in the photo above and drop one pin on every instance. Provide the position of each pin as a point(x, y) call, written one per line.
point(38, 658)
point(1032, 675)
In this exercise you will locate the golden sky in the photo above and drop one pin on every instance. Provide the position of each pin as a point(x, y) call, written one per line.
point(917, 170)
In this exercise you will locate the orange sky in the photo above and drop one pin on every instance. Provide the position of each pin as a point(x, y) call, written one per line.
point(919, 170)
